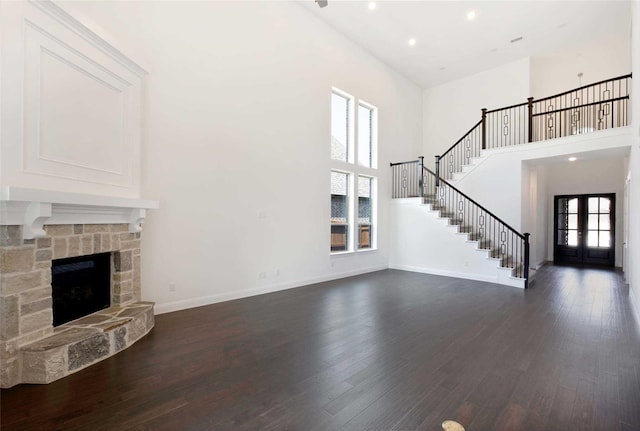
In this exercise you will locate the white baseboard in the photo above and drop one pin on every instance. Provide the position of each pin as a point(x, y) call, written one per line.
point(540, 264)
point(183, 304)
point(446, 273)
point(634, 306)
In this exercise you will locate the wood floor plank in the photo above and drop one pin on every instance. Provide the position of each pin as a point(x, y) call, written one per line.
point(386, 350)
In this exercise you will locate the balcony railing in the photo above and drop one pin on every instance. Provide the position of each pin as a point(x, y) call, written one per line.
point(599, 106)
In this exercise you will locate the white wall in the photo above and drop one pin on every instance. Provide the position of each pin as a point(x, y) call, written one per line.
point(423, 242)
point(606, 58)
point(236, 144)
point(534, 210)
point(584, 177)
point(451, 109)
point(633, 275)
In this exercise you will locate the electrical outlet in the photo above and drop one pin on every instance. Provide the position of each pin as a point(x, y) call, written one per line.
point(277, 272)
point(172, 287)
point(262, 275)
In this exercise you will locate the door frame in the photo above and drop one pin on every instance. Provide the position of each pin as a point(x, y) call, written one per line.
point(583, 235)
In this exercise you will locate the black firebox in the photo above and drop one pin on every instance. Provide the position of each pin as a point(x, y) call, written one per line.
point(81, 286)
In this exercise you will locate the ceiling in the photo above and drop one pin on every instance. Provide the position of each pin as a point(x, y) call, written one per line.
point(449, 46)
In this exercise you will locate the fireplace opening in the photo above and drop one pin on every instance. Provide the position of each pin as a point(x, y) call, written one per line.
point(80, 286)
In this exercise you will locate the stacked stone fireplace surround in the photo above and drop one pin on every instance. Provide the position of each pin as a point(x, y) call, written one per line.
point(32, 350)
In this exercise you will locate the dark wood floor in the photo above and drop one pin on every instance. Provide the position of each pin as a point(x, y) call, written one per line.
point(388, 350)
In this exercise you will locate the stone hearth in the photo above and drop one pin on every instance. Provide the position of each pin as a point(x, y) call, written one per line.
point(31, 350)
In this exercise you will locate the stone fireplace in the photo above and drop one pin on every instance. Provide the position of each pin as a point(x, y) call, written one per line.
point(32, 349)
point(71, 185)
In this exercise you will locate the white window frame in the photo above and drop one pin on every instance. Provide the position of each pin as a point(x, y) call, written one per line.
point(374, 133)
point(354, 169)
point(351, 134)
point(373, 236)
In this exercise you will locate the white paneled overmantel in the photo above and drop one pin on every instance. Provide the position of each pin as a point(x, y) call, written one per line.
point(71, 104)
point(32, 208)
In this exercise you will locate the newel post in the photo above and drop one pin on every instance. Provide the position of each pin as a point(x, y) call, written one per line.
point(484, 128)
point(526, 260)
point(437, 171)
point(530, 120)
point(421, 176)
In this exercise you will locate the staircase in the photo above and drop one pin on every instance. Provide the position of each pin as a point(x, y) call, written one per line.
point(485, 247)
point(501, 252)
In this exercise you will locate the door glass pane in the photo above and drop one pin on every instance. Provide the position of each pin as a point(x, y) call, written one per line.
point(604, 205)
point(605, 222)
point(562, 237)
point(593, 222)
point(563, 221)
point(573, 205)
point(573, 221)
point(593, 205)
point(605, 238)
point(572, 238)
point(592, 238)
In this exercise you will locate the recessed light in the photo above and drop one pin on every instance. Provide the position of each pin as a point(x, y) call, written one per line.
point(372, 5)
point(471, 15)
point(411, 42)
point(573, 159)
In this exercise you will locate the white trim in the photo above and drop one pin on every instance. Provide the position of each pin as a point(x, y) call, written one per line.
point(222, 297)
point(454, 274)
point(32, 208)
point(21, 194)
point(634, 308)
point(97, 40)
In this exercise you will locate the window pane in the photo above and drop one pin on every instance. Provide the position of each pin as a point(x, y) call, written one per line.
point(592, 238)
point(339, 127)
point(573, 205)
point(605, 239)
point(365, 135)
point(573, 221)
point(605, 203)
point(339, 183)
point(339, 211)
point(593, 222)
point(365, 220)
point(605, 221)
point(572, 238)
point(593, 205)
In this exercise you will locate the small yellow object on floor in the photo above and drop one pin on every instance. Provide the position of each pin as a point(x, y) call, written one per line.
point(452, 426)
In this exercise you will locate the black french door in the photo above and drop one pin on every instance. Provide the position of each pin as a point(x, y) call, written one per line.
point(584, 227)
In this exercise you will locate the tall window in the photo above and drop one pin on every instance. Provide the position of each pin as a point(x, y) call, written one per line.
point(353, 174)
point(365, 212)
point(339, 211)
point(341, 119)
point(366, 135)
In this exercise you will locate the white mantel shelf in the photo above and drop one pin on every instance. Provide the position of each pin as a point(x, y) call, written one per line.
point(33, 208)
